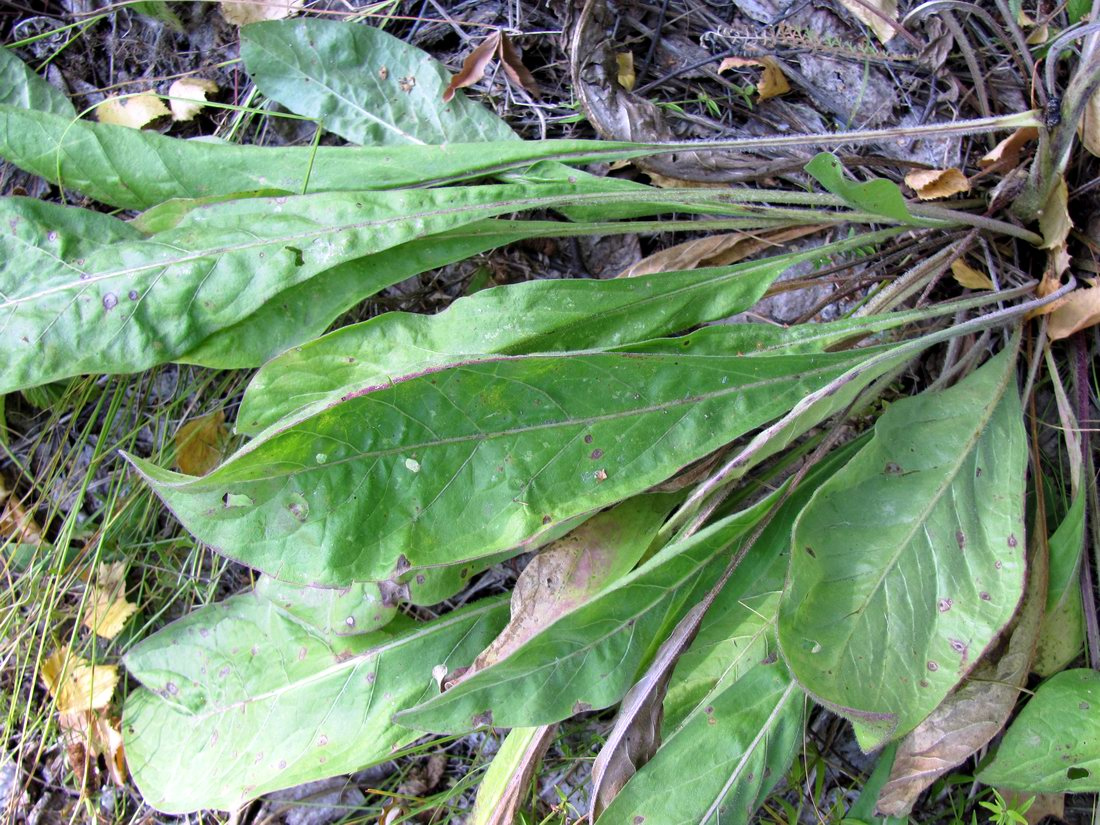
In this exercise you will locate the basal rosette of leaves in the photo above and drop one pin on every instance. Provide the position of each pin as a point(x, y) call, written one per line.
point(601, 425)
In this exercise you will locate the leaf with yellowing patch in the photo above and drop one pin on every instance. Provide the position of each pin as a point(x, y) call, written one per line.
point(75, 683)
point(930, 184)
point(134, 111)
point(1007, 152)
point(189, 96)
point(243, 12)
point(1077, 311)
point(200, 444)
point(107, 610)
point(875, 14)
point(969, 277)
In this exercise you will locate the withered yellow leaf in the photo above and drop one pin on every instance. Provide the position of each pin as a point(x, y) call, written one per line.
point(624, 62)
point(88, 733)
point(16, 524)
point(1054, 221)
point(887, 9)
point(772, 81)
point(1089, 127)
point(200, 444)
point(930, 184)
point(1077, 311)
point(1007, 152)
point(106, 609)
point(969, 277)
point(188, 96)
point(243, 12)
point(76, 684)
point(134, 111)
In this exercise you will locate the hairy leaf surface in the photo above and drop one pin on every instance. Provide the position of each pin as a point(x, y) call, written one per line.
point(466, 461)
point(910, 561)
point(243, 697)
point(1053, 746)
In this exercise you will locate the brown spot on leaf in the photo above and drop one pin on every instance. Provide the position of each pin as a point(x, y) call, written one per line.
point(581, 707)
point(596, 453)
point(601, 475)
point(985, 597)
point(480, 719)
point(892, 469)
point(547, 519)
point(1011, 539)
point(302, 652)
point(960, 539)
point(588, 439)
point(945, 605)
point(933, 666)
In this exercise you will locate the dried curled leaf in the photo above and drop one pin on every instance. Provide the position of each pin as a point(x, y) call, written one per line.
point(134, 111)
point(106, 610)
point(88, 735)
point(930, 184)
point(189, 96)
point(714, 250)
point(772, 81)
point(514, 68)
point(473, 67)
point(243, 12)
point(1007, 152)
point(200, 444)
point(969, 277)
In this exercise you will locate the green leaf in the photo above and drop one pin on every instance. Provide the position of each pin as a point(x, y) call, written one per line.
point(1062, 632)
point(738, 747)
point(505, 784)
point(910, 561)
point(1053, 746)
point(301, 313)
point(878, 196)
point(590, 657)
point(242, 698)
point(20, 86)
point(345, 611)
point(129, 305)
point(467, 461)
point(544, 315)
point(355, 80)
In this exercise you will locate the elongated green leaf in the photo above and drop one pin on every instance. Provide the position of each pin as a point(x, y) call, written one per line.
point(536, 316)
point(738, 747)
point(301, 313)
point(505, 784)
point(470, 460)
point(242, 698)
point(362, 83)
point(879, 196)
point(1062, 633)
point(1053, 746)
point(132, 304)
point(910, 561)
point(590, 657)
point(21, 87)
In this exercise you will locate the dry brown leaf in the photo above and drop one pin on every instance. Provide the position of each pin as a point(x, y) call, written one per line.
point(624, 62)
point(714, 250)
point(514, 68)
point(558, 580)
point(969, 277)
point(875, 22)
point(1089, 127)
point(968, 718)
point(243, 12)
point(200, 444)
point(473, 67)
point(1007, 152)
point(76, 684)
point(107, 610)
point(134, 111)
point(16, 524)
point(1077, 311)
point(664, 182)
point(930, 184)
point(772, 81)
point(87, 735)
point(189, 96)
